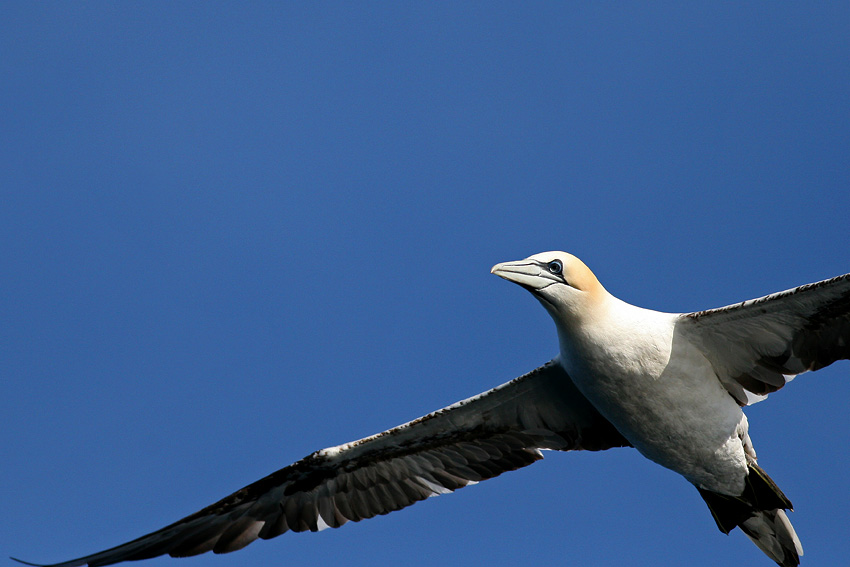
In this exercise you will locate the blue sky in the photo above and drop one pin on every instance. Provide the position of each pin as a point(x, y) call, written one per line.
point(233, 235)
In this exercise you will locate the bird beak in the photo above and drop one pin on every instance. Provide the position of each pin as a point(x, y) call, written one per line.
point(523, 272)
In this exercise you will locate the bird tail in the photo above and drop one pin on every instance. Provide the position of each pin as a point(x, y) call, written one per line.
point(760, 513)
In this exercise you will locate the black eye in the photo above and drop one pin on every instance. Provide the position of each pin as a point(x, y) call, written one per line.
point(555, 267)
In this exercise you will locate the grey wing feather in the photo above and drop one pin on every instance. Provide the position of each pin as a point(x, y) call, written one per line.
point(757, 346)
point(473, 440)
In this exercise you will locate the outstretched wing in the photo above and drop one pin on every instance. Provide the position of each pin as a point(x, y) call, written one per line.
point(472, 440)
point(757, 346)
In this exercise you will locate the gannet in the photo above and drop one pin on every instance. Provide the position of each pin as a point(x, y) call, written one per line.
point(670, 385)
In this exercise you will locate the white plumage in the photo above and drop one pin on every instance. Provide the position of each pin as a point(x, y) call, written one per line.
point(670, 385)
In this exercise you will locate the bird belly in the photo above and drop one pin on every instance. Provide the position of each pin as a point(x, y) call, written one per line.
point(664, 397)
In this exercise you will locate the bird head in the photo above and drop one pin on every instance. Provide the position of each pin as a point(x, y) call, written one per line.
point(560, 281)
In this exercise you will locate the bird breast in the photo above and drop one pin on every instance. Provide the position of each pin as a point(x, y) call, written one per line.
point(661, 393)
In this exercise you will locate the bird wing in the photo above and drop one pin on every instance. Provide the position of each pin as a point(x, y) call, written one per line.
point(757, 346)
point(475, 439)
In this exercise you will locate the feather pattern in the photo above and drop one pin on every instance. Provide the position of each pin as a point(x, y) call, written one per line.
point(758, 346)
point(473, 440)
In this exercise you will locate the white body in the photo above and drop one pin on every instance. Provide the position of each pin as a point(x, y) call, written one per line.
point(671, 407)
point(672, 384)
point(668, 384)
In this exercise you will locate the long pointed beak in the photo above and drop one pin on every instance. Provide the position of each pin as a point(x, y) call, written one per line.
point(523, 272)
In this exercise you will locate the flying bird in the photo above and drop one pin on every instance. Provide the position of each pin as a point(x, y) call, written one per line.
point(670, 385)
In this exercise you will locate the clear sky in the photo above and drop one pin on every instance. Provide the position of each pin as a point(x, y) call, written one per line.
point(231, 235)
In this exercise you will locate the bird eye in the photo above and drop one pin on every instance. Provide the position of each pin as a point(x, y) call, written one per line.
point(555, 267)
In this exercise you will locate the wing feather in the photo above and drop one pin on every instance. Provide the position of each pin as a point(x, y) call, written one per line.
point(472, 440)
point(757, 346)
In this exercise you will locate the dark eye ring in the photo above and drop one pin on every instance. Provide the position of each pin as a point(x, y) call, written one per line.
point(555, 267)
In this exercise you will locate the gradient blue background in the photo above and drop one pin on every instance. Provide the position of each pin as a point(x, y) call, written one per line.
point(231, 235)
